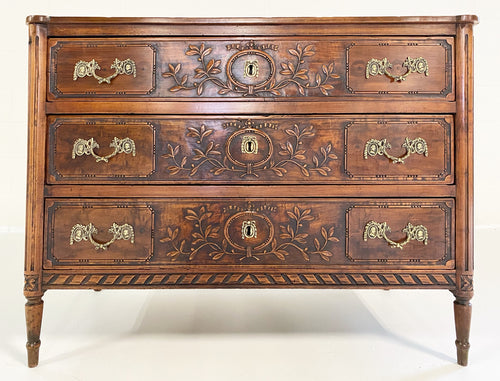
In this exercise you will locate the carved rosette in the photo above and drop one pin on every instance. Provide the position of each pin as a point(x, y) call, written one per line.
point(31, 283)
point(466, 283)
point(252, 71)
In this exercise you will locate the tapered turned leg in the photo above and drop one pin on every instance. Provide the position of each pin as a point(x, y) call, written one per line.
point(463, 310)
point(34, 311)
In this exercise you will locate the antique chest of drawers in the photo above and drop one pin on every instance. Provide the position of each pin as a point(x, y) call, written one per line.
point(277, 153)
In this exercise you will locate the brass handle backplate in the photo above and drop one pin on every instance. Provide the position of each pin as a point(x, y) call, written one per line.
point(413, 65)
point(81, 232)
point(86, 147)
point(88, 69)
point(374, 147)
point(248, 230)
point(375, 230)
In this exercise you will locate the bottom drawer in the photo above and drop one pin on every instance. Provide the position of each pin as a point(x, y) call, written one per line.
point(239, 234)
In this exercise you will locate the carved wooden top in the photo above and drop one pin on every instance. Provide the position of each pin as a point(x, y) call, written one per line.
point(258, 26)
point(460, 19)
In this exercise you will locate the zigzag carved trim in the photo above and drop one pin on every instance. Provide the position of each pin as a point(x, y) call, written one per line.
point(444, 280)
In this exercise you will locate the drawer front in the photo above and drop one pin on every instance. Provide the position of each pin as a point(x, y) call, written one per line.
point(240, 234)
point(92, 68)
point(240, 150)
point(391, 67)
point(246, 69)
point(99, 233)
point(91, 150)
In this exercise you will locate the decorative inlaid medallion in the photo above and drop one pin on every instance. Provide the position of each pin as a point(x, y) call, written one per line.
point(251, 71)
point(249, 234)
point(249, 151)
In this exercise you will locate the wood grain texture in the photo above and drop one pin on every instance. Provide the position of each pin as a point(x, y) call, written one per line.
point(276, 26)
point(463, 312)
point(288, 150)
point(256, 234)
point(36, 165)
point(215, 68)
point(239, 106)
point(255, 191)
point(34, 312)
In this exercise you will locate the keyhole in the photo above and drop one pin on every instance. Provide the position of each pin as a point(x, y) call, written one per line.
point(251, 69)
point(249, 144)
point(249, 230)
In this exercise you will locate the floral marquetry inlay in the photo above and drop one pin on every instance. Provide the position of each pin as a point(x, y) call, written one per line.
point(248, 234)
point(249, 151)
point(245, 74)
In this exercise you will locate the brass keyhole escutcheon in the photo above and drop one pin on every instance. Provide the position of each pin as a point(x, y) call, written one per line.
point(248, 230)
point(249, 144)
point(251, 69)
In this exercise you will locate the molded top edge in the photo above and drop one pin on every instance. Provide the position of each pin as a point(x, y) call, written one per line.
point(461, 19)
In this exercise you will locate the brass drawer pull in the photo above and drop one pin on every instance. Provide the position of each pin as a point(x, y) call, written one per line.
point(374, 147)
point(375, 230)
point(81, 232)
point(88, 68)
point(86, 147)
point(380, 67)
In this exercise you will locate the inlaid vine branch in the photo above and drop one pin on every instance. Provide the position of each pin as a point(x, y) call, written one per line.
point(292, 72)
point(205, 238)
point(292, 153)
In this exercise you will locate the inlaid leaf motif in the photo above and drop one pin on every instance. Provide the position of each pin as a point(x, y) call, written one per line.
point(206, 238)
point(292, 74)
point(292, 154)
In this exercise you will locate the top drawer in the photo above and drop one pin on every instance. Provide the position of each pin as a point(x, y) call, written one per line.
point(232, 69)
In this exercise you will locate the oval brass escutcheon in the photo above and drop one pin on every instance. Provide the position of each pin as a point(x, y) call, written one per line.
point(249, 146)
point(248, 229)
point(251, 68)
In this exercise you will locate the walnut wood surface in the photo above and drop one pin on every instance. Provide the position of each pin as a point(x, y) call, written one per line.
point(214, 68)
point(191, 191)
point(108, 106)
point(320, 233)
point(33, 311)
point(276, 26)
point(255, 191)
point(462, 311)
point(203, 150)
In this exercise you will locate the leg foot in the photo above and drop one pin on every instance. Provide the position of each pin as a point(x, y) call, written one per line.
point(34, 311)
point(463, 310)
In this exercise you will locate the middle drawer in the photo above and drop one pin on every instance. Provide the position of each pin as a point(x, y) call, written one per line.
point(242, 150)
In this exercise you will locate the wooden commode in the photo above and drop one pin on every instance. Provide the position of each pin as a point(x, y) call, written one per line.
point(250, 153)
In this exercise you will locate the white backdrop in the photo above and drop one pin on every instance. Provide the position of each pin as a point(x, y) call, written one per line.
point(125, 311)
